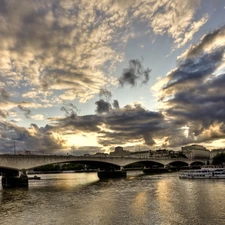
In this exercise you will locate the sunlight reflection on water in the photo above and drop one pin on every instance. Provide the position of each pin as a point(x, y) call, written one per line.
point(83, 199)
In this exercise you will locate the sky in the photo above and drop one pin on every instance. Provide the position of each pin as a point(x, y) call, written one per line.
point(83, 76)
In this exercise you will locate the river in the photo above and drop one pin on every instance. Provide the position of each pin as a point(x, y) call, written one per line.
point(82, 199)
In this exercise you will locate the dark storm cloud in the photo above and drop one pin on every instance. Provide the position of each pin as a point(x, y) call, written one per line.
point(148, 139)
point(132, 124)
point(26, 111)
point(116, 104)
point(35, 139)
point(134, 73)
point(103, 106)
point(193, 71)
point(194, 94)
point(128, 124)
point(68, 125)
point(204, 97)
point(205, 103)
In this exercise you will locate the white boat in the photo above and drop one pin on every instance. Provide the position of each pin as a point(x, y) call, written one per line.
point(204, 173)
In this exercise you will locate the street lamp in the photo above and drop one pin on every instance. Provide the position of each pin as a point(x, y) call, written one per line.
point(14, 146)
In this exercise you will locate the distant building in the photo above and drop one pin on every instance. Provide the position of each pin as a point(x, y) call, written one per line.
point(27, 152)
point(141, 154)
point(196, 152)
point(163, 153)
point(119, 152)
point(100, 154)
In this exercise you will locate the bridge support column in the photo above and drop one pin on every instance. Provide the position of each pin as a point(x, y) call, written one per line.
point(14, 179)
point(112, 173)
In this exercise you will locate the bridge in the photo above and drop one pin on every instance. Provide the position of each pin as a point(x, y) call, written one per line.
point(29, 162)
point(15, 166)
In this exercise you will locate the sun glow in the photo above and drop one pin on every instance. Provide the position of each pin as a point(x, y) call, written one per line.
point(82, 139)
point(186, 130)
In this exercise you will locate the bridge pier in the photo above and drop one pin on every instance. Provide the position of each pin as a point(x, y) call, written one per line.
point(112, 173)
point(12, 178)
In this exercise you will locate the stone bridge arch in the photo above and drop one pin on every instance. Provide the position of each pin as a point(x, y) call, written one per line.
point(145, 163)
point(95, 163)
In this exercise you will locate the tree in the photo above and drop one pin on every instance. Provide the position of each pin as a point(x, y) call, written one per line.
point(218, 159)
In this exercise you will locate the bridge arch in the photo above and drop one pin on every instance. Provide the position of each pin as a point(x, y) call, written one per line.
point(197, 163)
point(96, 163)
point(6, 168)
point(147, 163)
point(178, 163)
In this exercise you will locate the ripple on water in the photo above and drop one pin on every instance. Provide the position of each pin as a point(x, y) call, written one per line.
point(138, 199)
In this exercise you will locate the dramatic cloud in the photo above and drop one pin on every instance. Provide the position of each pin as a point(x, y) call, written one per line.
point(193, 71)
point(59, 54)
point(131, 124)
point(34, 139)
point(193, 94)
point(102, 106)
point(208, 42)
point(63, 45)
point(134, 73)
point(116, 104)
point(174, 18)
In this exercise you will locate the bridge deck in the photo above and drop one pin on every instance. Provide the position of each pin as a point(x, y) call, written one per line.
point(27, 162)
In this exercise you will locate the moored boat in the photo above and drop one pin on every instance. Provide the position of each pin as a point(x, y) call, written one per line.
point(34, 178)
point(204, 173)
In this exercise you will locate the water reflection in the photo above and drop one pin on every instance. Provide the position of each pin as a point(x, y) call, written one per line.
point(139, 203)
point(64, 182)
point(84, 199)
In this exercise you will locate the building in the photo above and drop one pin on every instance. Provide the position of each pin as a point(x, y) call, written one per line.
point(141, 154)
point(100, 154)
point(196, 152)
point(119, 152)
point(163, 153)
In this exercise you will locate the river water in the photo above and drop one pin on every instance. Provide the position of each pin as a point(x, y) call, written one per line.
point(82, 199)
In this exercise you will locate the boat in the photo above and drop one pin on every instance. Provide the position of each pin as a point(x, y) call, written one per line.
point(34, 178)
point(158, 170)
point(204, 173)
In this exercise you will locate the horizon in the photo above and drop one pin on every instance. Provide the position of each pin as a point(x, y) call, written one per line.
point(73, 153)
